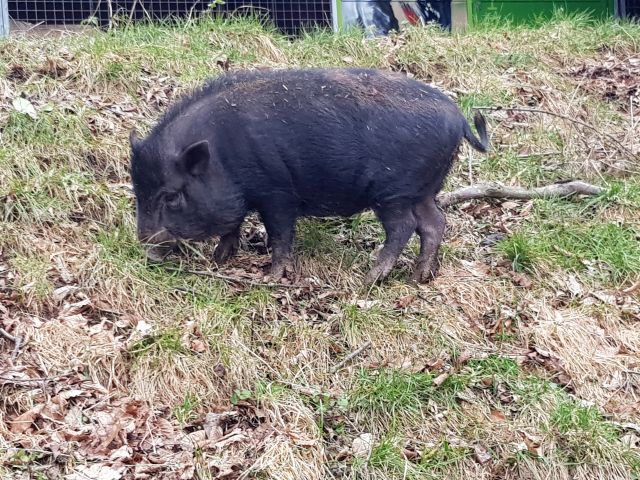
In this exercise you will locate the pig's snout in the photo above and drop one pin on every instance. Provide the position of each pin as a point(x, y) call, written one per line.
point(157, 245)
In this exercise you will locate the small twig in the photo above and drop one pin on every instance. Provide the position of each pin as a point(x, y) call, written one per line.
point(131, 13)
point(36, 380)
point(228, 278)
point(632, 288)
point(496, 190)
point(563, 251)
point(538, 154)
point(28, 380)
point(33, 450)
point(17, 343)
point(564, 117)
point(351, 356)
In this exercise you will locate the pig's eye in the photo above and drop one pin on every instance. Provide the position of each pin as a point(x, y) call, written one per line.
point(173, 200)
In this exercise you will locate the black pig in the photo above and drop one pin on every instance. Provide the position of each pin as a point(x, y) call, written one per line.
point(292, 143)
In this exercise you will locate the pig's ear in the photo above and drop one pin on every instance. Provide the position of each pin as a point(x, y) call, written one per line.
point(134, 140)
point(195, 158)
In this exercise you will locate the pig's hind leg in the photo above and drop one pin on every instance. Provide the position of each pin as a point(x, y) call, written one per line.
point(431, 224)
point(399, 225)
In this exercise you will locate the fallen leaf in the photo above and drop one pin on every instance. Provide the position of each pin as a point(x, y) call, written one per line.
point(23, 422)
point(411, 454)
point(574, 286)
point(522, 280)
point(510, 205)
point(366, 304)
point(605, 297)
point(464, 357)
point(481, 455)
point(143, 327)
point(533, 443)
point(362, 445)
point(497, 416)
point(59, 294)
point(96, 471)
point(122, 453)
point(404, 302)
point(74, 311)
point(439, 380)
point(22, 105)
point(487, 381)
point(198, 346)
point(435, 365)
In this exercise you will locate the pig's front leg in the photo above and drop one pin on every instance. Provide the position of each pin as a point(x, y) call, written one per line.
point(227, 247)
point(280, 224)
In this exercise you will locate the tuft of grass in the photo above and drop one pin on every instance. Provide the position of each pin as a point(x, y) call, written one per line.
point(168, 341)
point(187, 411)
point(391, 394)
point(387, 456)
point(503, 368)
point(34, 275)
point(610, 250)
point(585, 436)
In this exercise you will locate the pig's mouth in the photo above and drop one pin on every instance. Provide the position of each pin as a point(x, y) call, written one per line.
point(164, 242)
point(160, 245)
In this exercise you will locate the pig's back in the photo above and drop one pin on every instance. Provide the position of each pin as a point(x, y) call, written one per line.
point(338, 140)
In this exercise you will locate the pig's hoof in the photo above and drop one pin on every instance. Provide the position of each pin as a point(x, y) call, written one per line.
point(282, 270)
point(224, 251)
point(375, 275)
point(424, 272)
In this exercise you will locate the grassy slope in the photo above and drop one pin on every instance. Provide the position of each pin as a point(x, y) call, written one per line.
point(553, 285)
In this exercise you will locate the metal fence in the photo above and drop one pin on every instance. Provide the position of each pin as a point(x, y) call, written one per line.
point(290, 16)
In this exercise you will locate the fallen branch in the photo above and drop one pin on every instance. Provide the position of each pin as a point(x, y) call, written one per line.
point(43, 380)
point(496, 190)
point(17, 343)
point(231, 279)
point(351, 356)
point(564, 117)
point(632, 288)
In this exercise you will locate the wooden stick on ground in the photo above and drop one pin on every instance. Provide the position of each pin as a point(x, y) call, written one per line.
point(351, 356)
point(228, 278)
point(496, 190)
point(17, 343)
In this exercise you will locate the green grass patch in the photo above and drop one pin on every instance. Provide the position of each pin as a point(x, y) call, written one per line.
point(585, 436)
point(611, 250)
point(391, 393)
point(33, 274)
point(387, 456)
point(495, 366)
point(52, 129)
point(572, 418)
point(167, 341)
point(187, 411)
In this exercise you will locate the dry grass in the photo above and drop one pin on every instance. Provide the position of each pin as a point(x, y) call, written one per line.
point(519, 361)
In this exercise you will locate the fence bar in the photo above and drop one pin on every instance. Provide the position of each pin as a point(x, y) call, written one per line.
point(4, 18)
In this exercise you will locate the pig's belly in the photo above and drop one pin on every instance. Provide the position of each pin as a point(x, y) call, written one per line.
point(332, 207)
